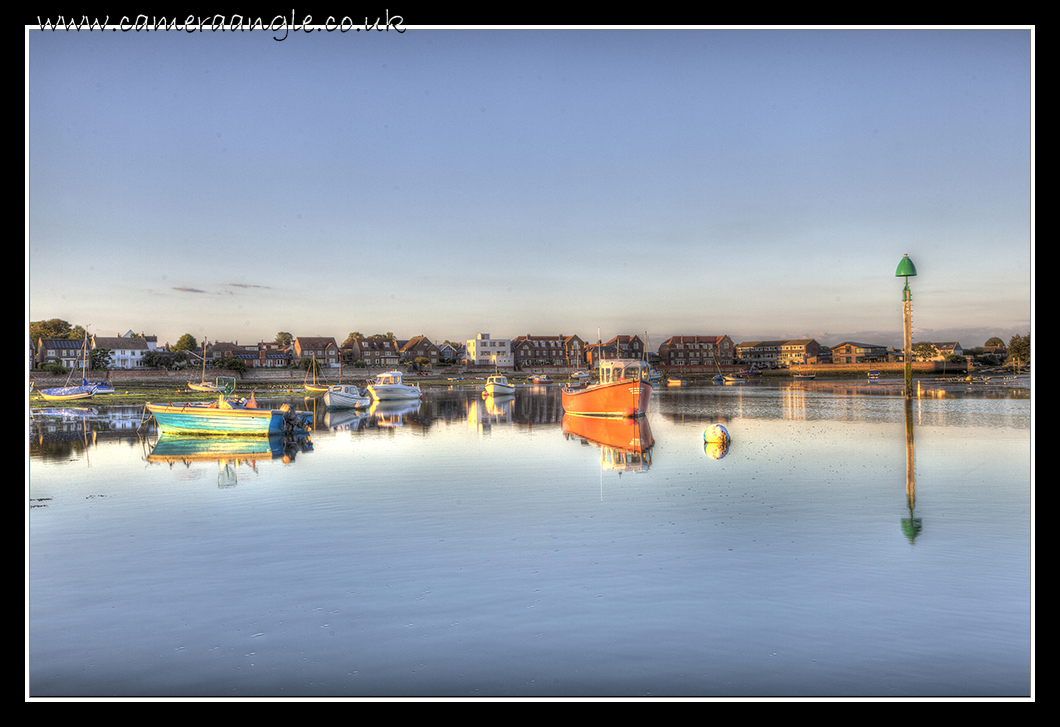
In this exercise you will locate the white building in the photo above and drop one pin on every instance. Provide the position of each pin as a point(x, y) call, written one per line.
point(126, 352)
point(485, 351)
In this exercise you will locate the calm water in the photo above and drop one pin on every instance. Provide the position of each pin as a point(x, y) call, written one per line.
point(474, 548)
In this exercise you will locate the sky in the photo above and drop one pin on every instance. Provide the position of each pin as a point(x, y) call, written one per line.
point(756, 183)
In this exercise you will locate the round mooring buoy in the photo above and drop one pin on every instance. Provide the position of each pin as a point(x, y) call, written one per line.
point(716, 433)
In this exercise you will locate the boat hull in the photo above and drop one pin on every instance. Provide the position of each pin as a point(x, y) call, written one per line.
point(200, 420)
point(68, 393)
point(346, 397)
point(499, 386)
point(623, 398)
point(388, 387)
point(394, 392)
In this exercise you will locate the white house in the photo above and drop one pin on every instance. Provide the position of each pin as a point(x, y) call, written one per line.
point(485, 351)
point(126, 352)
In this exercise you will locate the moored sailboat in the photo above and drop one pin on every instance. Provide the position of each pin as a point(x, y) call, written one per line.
point(313, 386)
point(204, 385)
point(72, 393)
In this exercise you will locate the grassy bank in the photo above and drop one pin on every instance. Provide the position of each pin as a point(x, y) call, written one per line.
point(138, 394)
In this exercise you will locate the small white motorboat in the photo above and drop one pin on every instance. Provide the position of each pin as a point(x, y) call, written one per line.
point(499, 386)
point(346, 396)
point(388, 387)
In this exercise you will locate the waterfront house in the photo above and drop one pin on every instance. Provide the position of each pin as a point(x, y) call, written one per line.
point(349, 351)
point(697, 351)
point(799, 351)
point(759, 354)
point(617, 347)
point(323, 348)
point(559, 350)
point(454, 352)
point(377, 352)
point(126, 352)
point(484, 350)
point(419, 347)
point(947, 349)
point(779, 353)
point(249, 354)
point(627, 346)
point(597, 352)
point(271, 355)
point(64, 351)
point(853, 352)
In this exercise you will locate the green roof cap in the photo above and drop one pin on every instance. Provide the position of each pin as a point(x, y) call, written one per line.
point(905, 268)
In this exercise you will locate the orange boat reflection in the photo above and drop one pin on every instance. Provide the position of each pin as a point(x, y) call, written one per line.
point(625, 443)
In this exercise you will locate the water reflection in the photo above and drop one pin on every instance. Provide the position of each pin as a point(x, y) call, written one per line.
point(417, 556)
point(800, 401)
point(490, 410)
point(229, 453)
point(717, 449)
point(625, 443)
point(349, 420)
point(911, 525)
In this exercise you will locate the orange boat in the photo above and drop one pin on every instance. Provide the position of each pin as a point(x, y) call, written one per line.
point(623, 390)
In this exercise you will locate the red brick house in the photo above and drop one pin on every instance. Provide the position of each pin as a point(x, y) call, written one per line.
point(697, 351)
point(557, 350)
point(420, 347)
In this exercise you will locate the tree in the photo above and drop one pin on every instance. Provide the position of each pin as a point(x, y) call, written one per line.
point(924, 351)
point(284, 338)
point(232, 364)
point(1019, 350)
point(55, 328)
point(186, 342)
point(158, 359)
point(995, 341)
point(99, 359)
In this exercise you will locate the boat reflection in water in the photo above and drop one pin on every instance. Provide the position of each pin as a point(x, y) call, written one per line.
point(625, 443)
point(345, 420)
point(227, 452)
point(393, 412)
point(499, 405)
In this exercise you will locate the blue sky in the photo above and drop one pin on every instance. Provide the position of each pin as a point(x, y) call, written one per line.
point(755, 183)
